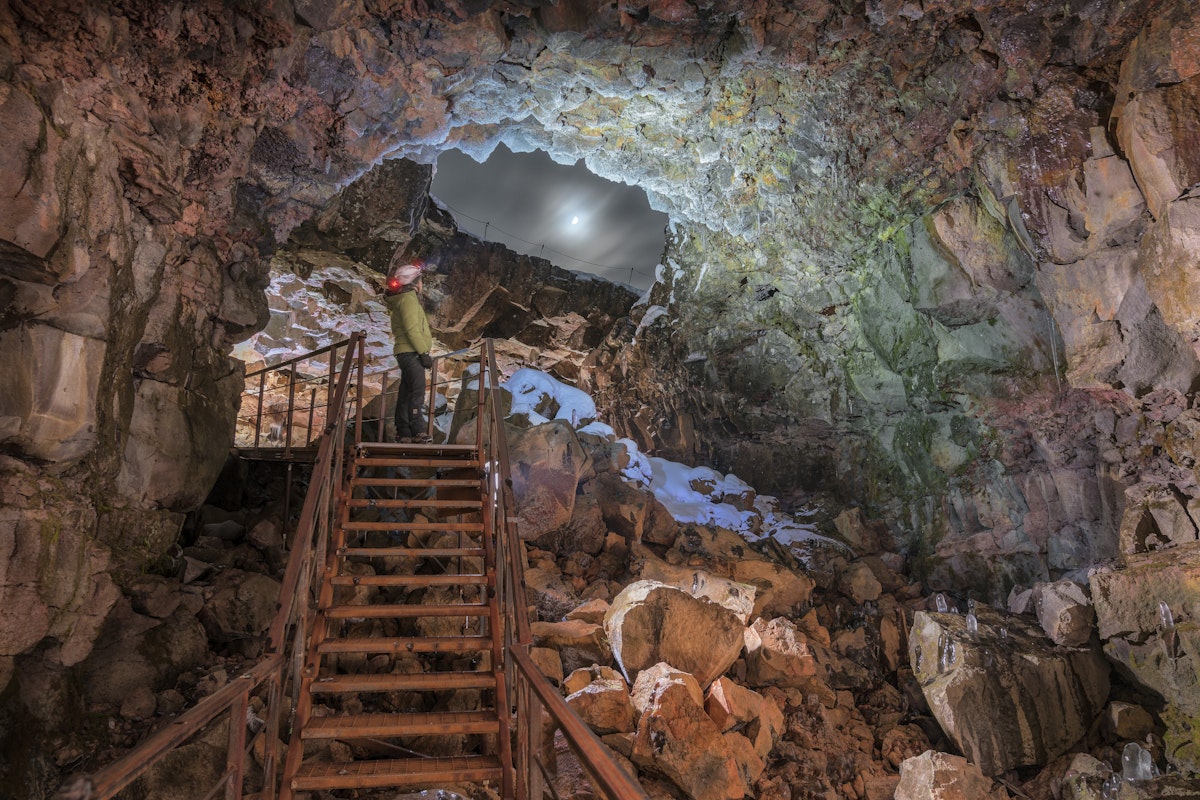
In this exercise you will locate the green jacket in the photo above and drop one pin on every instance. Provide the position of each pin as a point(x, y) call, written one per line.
point(410, 326)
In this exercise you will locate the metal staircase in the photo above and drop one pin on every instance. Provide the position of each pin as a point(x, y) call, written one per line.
point(407, 627)
point(402, 633)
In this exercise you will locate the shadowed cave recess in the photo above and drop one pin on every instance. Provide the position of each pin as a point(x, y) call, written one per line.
point(936, 261)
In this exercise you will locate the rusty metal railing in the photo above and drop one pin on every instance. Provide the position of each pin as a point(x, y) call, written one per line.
point(285, 638)
point(282, 405)
point(530, 692)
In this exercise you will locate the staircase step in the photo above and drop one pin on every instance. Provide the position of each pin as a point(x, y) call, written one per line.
point(409, 580)
point(383, 726)
point(415, 461)
point(413, 552)
point(415, 682)
point(406, 611)
point(439, 644)
point(388, 448)
point(370, 502)
point(407, 772)
point(466, 527)
point(413, 483)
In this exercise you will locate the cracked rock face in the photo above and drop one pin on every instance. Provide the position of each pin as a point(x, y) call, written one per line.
point(937, 258)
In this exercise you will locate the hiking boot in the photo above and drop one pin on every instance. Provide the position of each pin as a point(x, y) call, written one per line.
point(424, 438)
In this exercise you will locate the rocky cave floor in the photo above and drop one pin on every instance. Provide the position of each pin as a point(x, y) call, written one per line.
point(812, 688)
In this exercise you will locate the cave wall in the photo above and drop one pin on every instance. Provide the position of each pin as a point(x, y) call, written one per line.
point(907, 257)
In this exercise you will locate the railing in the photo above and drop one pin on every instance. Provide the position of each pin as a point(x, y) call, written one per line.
point(524, 692)
point(285, 638)
point(529, 689)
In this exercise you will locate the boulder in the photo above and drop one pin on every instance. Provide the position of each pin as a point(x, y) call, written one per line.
point(546, 591)
point(139, 651)
point(240, 605)
point(1126, 722)
point(941, 776)
point(579, 643)
point(737, 597)
point(858, 582)
point(651, 622)
point(676, 739)
point(862, 536)
point(1065, 612)
point(734, 707)
point(591, 611)
point(584, 532)
point(634, 513)
point(1006, 699)
point(548, 464)
point(584, 675)
point(779, 588)
point(777, 654)
point(604, 705)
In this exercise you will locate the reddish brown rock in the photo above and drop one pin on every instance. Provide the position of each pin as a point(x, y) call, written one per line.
point(651, 622)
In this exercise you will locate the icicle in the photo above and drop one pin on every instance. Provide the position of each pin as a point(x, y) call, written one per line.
point(1108, 791)
point(939, 601)
point(1146, 765)
point(1166, 627)
point(971, 605)
point(972, 627)
point(1136, 763)
point(947, 655)
point(1003, 633)
point(1166, 619)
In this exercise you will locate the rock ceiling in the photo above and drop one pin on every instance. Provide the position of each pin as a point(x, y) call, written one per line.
point(937, 254)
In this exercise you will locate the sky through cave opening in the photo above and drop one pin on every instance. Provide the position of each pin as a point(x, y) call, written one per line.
point(563, 213)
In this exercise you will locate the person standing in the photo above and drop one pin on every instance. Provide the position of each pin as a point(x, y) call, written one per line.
point(413, 341)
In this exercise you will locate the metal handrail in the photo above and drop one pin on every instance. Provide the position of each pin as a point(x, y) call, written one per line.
point(289, 625)
point(528, 689)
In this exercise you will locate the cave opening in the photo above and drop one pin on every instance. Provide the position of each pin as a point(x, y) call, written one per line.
point(558, 211)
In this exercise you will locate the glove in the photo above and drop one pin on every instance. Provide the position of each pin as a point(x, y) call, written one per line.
point(426, 360)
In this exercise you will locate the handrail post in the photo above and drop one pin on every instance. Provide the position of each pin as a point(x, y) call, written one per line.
point(234, 758)
point(358, 413)
point(291, 407)
point(312, 403)
point(433, 376)
point(262, 385)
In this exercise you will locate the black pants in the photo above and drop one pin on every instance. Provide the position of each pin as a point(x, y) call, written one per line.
point(410, 397)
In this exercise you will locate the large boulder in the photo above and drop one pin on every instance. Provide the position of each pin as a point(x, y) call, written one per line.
point(737, 597)
point(1006, 696)
point(547, 465)
point(651, 622)
point(138, 651)
point(1147, 612)
point(941, 776)
point(676, 739)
